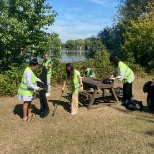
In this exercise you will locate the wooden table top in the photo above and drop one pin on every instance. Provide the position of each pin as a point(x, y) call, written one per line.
point(96, 83)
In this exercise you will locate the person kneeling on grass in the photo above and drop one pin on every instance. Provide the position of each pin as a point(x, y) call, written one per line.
point(74, 83)
point(27, 88)
point(125, 74)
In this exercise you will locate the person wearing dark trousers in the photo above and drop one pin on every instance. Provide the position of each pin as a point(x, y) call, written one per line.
point(125, 74)
point(44, 108)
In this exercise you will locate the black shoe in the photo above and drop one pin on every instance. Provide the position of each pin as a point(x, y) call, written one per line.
point(45, 113)
point(41, 115)
point(123, 103)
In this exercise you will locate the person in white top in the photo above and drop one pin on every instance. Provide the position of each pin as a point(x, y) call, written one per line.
point(125, 74)
point(27, 89)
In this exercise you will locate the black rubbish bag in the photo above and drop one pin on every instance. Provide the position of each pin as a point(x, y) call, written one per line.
point(119, 91)
point(149, 89)
point(44, 108)
point(134, 105)
point(108, 81)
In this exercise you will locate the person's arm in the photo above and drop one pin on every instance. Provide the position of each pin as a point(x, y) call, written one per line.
point(81, 84)
point(39, 80)
point(80, 80)
point(50, 64)
point(121, 75)
point(28, 77)
point(64, 84)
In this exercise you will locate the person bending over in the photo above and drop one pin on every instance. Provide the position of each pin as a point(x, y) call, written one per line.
point(74, 83)
point(125, 74)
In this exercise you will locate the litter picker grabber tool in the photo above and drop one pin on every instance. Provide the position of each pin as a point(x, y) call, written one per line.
point(56, 105)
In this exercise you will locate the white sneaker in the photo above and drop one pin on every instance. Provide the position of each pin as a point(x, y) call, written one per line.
point(73, 113)
point(47, 94)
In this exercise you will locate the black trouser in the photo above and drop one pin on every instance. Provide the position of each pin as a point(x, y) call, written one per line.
point(43, 101)
point(127, 91)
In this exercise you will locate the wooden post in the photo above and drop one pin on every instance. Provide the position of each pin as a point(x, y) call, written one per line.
point(92, 99)
point(114, 94)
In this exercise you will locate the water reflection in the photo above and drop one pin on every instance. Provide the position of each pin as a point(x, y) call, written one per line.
point(72, 55)
point(67, 56)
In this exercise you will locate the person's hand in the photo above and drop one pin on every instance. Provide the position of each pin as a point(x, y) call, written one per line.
point(49, 65)
point(62, 89)
point(81, 88)
point(111, 76)
point(40, 89)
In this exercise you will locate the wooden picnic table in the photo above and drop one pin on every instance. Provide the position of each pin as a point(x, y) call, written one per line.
point(97, 85)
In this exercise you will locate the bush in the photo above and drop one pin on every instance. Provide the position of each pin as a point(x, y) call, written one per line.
point(137, 69)
point(10, 80)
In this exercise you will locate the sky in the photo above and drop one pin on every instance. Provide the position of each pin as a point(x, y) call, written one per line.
point(80, 19)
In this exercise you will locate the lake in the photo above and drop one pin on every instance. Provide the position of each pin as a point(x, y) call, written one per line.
point(72, 55)
point(69, 56)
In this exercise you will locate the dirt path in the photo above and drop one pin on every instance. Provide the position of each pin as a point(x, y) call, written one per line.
point(107, 130)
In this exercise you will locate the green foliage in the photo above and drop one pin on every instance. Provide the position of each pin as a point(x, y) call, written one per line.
point(10, 80)
point(112, 38)
point(75, 44)
point(131, 9)
point(139, 39)
point(22, 27)
point(137, 69)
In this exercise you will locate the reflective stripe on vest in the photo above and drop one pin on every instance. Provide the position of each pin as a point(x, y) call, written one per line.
point(24, 89)
point(88, 73)
point(73, 85)
point(128, 72)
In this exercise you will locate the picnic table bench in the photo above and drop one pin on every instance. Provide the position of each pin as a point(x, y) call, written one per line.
point(97, 85)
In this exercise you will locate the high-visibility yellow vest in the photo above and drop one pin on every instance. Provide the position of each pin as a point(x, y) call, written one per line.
point(24, 89)
point(49, 69)
point(88, 73)
point(128, 72)
point(73, 85)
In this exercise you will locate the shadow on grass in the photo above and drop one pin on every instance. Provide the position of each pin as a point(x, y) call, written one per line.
point(150, 133)
point(151, 145)
point(64, 104)
point(18, 110)
point(106, 99)
point(147, 110)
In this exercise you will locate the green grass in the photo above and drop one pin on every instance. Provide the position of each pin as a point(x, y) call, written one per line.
point(106, 130)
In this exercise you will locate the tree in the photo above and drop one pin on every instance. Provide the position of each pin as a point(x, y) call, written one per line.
point(139, 39)
point(70, 44)
point(88, 43)
point(112, 38)
point(131, 9)
point(75, 44)
point(22, 27)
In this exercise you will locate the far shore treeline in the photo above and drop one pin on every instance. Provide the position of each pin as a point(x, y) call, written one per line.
point(23, 35)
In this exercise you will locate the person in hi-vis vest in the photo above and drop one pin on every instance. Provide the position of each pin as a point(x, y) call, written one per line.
point(48, 64)
point(125, 74)
point(74, 83)
point(27, 89)
point(88, 72)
